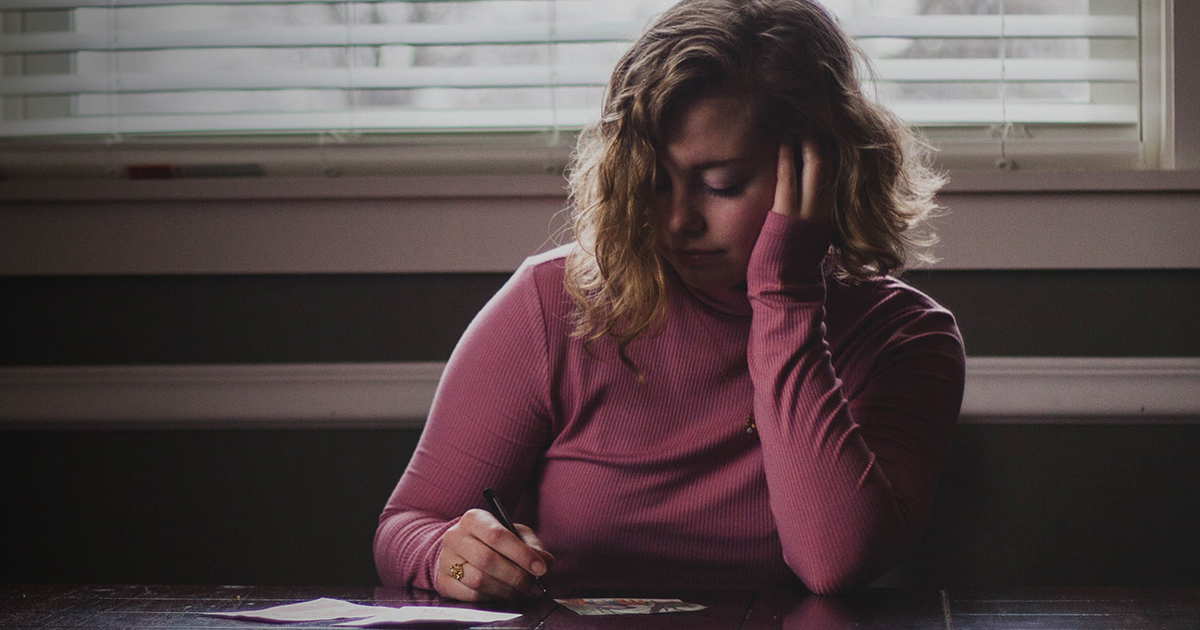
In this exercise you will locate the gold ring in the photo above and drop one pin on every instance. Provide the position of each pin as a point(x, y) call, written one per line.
point(456, 570)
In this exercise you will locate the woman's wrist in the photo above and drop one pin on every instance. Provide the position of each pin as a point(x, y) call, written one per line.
point(789, 251)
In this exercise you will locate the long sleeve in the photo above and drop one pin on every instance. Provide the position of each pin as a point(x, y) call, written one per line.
point(657, 484)
point(850, 474)
point(487, 427)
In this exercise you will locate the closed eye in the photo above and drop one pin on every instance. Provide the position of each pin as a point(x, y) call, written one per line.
point(726, 192)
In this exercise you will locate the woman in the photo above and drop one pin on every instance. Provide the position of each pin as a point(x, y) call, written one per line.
point(718, 384)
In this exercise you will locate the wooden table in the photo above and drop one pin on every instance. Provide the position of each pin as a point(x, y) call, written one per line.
point(62, 606)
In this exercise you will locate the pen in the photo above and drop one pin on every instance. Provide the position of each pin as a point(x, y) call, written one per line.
point(502, 516)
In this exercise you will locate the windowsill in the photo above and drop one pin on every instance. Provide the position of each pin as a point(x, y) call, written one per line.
point(490, 223)
point(1073, 181)
point(530, 186)
point(301, 188)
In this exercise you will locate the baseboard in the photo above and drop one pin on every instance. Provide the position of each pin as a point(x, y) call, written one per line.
point(1050, 390)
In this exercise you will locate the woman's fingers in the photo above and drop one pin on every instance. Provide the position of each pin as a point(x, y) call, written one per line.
point(475, 584)
point(530, 538)
point(785, 182)
point(491, 573)
point(483, 526)
point(802, 196)
point(812, 189)
point(495, 563)
point(476, 576)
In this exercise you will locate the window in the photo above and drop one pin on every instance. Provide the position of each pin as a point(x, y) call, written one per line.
point(285, 87)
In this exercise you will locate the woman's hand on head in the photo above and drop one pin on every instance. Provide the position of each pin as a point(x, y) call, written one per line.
point(803, 196)
point(495, 564)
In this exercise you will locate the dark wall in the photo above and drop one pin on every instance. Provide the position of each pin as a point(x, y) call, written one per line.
point(1057, 505)
point(1064, 505)
point(1020, 504)
point(237, 319)
point(418, 317)
point(207, 507)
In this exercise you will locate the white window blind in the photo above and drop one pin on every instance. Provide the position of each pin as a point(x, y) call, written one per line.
point(1001, 79)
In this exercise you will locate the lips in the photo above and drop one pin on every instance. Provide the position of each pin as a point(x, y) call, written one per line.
point(693, 257)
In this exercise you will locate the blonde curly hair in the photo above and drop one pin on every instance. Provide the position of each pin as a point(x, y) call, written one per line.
point(799, 74)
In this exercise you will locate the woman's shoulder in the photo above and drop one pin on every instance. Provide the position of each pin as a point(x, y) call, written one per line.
point(539, 280)
point(545, 271)
point(886, 304)
point(550, 261)
point(530, 305)
point(884, 322)
point(903, 294)
point(886, 292)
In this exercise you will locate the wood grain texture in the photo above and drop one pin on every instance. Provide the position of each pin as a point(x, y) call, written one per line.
point(179, 607)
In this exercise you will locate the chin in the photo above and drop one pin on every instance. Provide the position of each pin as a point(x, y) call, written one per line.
point(713, 279)
point(711, 283)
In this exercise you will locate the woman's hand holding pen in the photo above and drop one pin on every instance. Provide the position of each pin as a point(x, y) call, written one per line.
point(490, 562)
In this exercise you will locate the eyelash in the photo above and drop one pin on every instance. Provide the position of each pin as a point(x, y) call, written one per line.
point(664, 185)
point(725, 193)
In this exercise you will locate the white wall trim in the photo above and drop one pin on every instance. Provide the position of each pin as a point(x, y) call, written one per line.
point(1026, 220)
point(402, 187)
point(1066, 389)
point(1042, 390)
point(219, 396)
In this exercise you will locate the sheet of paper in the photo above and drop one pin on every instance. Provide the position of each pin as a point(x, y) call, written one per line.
point(323, 609)
point(327, 609)
point(439, 614)
point(628, 606)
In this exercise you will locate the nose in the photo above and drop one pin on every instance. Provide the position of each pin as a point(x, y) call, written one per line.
point(680, 213)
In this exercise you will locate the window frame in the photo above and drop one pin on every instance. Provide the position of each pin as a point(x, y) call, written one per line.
point(264, 225)
point(517, 153)
point(458, 223)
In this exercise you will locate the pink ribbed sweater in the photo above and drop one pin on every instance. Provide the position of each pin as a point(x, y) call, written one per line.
point(854, 390)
